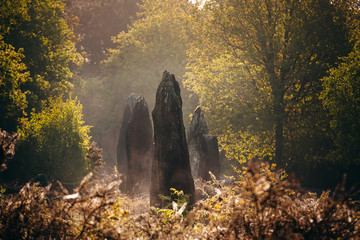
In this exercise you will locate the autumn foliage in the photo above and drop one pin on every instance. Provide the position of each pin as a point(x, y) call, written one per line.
point(255, 205)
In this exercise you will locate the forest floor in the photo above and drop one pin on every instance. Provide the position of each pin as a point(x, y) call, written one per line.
point(258, 204)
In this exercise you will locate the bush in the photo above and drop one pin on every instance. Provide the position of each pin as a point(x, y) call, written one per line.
point(341, 97)
point(53, 142)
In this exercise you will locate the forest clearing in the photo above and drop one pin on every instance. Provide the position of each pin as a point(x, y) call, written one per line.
point(178, 119)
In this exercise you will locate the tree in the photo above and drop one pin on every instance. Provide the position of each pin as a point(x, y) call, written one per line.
point(94, 22)
point(341, 96)
point(157, 41)
point(54, 142)
point(280, 49)
point(13, 76)
point(39, 29)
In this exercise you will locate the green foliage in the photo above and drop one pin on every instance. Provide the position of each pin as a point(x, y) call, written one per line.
point(244, 146)
point(13, 76)
point(153, 43)
point(257, 65)
point(176, 198)
point(341, 96)
point(38, 27)
point(12, 13)
point(226, 91)
point(53, 142)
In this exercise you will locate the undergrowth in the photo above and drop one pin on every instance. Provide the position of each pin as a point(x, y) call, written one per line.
point(258, 204)
point(7, 147)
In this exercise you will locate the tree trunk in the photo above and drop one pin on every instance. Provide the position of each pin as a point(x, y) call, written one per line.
point(277, 85)
point(279, 139)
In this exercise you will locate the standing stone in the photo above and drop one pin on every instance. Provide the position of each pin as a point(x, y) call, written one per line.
point(139, 148)
point(197, 129)
point(171, 166)
point(121, 147)
point(212, 161)
point(203, 148)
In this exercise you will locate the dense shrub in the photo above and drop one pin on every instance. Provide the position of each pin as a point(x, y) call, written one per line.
point(341, 97)
point(53, 142)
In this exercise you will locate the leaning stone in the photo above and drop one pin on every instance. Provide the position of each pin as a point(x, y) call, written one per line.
point(121, 147)
point(139, 148)
point(203, 148)
point(212, 161)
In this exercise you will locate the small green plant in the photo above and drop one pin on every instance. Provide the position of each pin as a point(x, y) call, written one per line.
point(176, 197)
point(179, 196)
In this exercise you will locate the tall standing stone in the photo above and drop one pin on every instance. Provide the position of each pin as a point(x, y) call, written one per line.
point(203, 148)
point(121, 147)
point(171, 166)
point(139, 148)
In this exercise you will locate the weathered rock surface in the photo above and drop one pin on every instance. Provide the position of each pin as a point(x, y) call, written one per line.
point(121, 147)
point(203, 148)
point(139, 148)
point(171, 166)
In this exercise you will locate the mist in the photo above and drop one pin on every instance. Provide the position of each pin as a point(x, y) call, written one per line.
point(108, 79)
point(178, 119)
